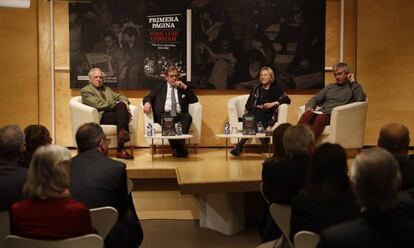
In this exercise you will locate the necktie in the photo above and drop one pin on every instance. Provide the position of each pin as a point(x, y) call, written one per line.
point(101, 92)
point(173, 103)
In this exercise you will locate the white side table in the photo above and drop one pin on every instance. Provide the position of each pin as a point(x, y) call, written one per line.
point(162, 137)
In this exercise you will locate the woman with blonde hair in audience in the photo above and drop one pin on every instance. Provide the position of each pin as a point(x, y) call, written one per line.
point(48, 212)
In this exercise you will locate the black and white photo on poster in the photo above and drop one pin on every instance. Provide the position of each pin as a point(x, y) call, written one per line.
point(232, 40)
point(110, 34)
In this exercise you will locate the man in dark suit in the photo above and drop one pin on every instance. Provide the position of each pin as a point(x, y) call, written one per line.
point(172, 99)
point(376, 178)
point(12, 175)
point(395, 138)
point(98, 181)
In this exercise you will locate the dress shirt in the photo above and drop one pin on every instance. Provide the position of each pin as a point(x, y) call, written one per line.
point(167, 106)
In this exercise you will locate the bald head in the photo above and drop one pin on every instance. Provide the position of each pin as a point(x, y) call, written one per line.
point(395, 138)
point(11, 142)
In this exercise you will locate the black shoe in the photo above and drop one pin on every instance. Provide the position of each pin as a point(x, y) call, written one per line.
point(236, 151)
point(180, 153)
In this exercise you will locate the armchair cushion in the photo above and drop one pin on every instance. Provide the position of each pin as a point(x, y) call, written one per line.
point(236, 107)
point(82, 113)
point(196, 112)
point(347, 126)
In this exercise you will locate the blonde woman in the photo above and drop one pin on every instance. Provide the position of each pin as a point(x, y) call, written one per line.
point(263, 103)
point(48, 212)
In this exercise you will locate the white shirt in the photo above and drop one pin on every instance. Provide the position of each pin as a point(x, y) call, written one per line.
point(167, 106)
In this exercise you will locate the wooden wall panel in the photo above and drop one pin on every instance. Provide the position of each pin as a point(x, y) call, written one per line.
point(18, 66)
point(384, 62)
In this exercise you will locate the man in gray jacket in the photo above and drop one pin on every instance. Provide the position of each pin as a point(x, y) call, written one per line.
point(346, 90)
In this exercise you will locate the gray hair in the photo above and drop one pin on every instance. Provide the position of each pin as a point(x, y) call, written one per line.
point(298, 140)
point(376, 178)
point(342, 65)
point(48, 174)
point(91, 71)
point(89, 136)
point(11, 142)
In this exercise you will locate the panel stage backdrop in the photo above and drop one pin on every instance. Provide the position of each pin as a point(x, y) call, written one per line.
point(231, 41)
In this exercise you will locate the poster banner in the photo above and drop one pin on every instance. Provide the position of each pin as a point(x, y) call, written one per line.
point(231, 40)
point(116, 37)
point(165, 45)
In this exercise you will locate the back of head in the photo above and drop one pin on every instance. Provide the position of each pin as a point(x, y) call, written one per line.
point(298, 139)
point(328, 171)
point(279, 152)
point(11, 142)
point(89, 136)
point(48, 174)
point(395, 138)
point(35, 136)
point(376, 178)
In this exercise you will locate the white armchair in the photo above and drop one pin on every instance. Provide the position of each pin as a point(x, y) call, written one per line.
point(81, 113)
point(235, 107)
point(196, 112)
point(347, 126)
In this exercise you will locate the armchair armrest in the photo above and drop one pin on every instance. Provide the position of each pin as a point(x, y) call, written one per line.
point(347, 125)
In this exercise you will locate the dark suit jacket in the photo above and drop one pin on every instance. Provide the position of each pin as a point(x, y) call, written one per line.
point(282, 180)
point(407, 171)
point(158, 96)
point(311, 215)
point(12, 178)
point(374, 228)
point(98, 181)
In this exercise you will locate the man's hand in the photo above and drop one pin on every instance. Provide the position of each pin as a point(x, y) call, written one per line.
point(147, 108)
point(351, 77)
point(180, 85)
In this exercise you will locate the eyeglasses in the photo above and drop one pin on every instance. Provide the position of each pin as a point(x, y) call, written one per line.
point(173, 75)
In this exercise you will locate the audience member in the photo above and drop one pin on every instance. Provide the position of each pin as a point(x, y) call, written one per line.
point(267, 227)
point(279, 152)
point(49, 212)
point(262, 103)
point(35, 136)
point(12, 176)
point(113, 108)
point(327, 198)
point(172, 99)
point(376, 178)
point(345, 90)
point(99, 181)
point(395, 138)
point(282, 180)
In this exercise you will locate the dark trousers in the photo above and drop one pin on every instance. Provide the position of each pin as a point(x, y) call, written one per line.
point(186, 120)
point(119, 116)
point(317, 122)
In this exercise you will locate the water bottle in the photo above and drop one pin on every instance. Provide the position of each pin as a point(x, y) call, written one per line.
point(227, 128)
point(150, 131)
point(260, 128)
point(179, 128)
